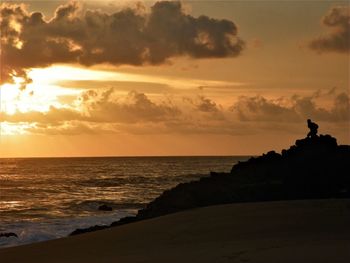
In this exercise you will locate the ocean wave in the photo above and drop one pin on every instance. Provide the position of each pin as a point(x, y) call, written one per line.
point(29, 231)
point(49, 198)
point(93, 205)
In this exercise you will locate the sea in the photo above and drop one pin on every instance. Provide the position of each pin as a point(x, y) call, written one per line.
point(48, 198)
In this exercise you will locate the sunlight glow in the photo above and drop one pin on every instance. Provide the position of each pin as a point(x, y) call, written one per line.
point(33, 98)
point(14, 128)
point(56, 73)
point(44, 90)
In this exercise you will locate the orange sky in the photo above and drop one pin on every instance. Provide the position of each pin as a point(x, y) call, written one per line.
point(171, 78)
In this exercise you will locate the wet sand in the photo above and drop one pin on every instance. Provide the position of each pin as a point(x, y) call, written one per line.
point(288, 231)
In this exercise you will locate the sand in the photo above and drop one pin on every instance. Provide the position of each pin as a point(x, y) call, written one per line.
point(283, 232)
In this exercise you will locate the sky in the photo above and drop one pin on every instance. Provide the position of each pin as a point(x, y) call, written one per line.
point(154, 78)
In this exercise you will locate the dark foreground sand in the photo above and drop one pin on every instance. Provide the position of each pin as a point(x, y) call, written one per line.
point(281, 232)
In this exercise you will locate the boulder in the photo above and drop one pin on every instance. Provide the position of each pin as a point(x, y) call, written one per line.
point(8, 234)
point(105, 208)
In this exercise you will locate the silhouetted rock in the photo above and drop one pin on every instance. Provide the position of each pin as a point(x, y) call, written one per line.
point(124, 220)
point(105, 208)
point(315, 167)
point(87, 230)
point(8, 234)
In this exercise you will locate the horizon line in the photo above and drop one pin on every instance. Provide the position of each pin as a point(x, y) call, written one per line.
point(122, 156)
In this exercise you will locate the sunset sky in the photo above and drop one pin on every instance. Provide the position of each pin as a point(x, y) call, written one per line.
point(125, 78)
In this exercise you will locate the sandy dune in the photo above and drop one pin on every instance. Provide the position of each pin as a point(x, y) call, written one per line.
point(294, 231)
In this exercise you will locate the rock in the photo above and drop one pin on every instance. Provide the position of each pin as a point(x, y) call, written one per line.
point(124, 220)
point(87, 230)
point(8, 234)
point(315, 167)
point(105, 208)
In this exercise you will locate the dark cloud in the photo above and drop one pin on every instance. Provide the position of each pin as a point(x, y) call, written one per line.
point(129, 36)
point(338, 39)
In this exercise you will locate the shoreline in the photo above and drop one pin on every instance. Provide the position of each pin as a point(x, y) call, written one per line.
point(278, 231)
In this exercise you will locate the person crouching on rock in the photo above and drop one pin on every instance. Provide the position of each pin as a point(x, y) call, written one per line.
point(313, 129)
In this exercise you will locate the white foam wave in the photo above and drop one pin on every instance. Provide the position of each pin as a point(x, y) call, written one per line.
point(37, 231)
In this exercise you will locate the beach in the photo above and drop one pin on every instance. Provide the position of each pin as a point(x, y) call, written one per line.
point(281, 231)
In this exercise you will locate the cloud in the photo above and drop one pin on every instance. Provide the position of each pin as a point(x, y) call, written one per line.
point(258, 108)
point(295, 109)
point(136, 107)
point(102, 107)
point(65, 128)
point(124, 86)
point(203, 104)
point(338, 38)
point(129, 36)
point(206, 105)
point(106, 111)
point(53, 116)
point(341, 109)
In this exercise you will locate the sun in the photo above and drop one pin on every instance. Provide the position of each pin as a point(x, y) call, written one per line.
point(16, 99)
point(8, 93)
point(44, 91)
point(40, 94)
point(19, 99)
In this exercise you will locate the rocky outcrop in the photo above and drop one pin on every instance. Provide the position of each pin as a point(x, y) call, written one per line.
point(315, 167)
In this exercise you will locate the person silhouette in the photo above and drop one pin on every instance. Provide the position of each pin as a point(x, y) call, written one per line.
point(313, 129)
